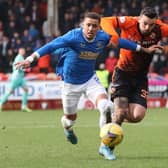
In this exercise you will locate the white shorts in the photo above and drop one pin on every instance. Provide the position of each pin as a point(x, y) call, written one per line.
point(71, 93)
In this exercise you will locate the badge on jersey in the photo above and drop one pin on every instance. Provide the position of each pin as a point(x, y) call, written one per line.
point(122, 19)
point(82, 45)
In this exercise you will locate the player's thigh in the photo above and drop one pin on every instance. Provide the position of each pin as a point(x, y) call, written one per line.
point(120, 93)
point(139, 93)
point(138, 100)
point(138, 104)
point(23, 84)
point(14, 84)
point(120, 86)
point(121, 105)
point(70, 98)
point(95, 90)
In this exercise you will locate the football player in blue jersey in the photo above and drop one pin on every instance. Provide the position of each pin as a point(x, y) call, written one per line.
point(77, 67)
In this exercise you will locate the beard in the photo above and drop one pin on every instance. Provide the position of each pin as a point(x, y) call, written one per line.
point(145, 33)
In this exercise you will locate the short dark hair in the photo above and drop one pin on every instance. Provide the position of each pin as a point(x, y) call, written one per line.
point(93, 15)
point(149, 12)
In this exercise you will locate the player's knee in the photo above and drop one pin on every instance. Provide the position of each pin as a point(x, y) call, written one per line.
point(137, 113)
point(68, 120)
point(121, 108)
point(104, 105)
point(26, 89)
point(137, 117)
point(11, 91)
point(71, 116)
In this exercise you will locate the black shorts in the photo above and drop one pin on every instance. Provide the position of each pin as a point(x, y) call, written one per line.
point(134, 87)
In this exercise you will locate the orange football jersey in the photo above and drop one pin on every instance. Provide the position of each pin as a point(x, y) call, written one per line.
point(129, 60)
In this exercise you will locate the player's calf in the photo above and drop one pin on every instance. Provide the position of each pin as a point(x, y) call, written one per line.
point(70, 135)
point(67, 124)
point(121, 108)
point(106, 109)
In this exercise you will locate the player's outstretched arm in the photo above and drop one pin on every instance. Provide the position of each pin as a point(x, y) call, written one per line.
point(27, 62)
point(115, 42)
point(130, 45)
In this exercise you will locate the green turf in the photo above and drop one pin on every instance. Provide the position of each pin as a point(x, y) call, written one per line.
point(36, 140)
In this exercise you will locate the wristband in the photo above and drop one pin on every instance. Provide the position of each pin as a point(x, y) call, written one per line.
point(30, 59)
point(138, 48)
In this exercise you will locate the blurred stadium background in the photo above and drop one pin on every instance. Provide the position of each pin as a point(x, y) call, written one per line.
point(33, 23)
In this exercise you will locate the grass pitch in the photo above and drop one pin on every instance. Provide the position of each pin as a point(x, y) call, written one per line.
point(36, 140)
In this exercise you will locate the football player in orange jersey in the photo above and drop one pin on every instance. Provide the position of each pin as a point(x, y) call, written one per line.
point(129, 82)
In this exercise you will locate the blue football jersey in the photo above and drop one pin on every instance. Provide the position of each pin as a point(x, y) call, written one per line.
point(78, 55)
point(73, 69)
